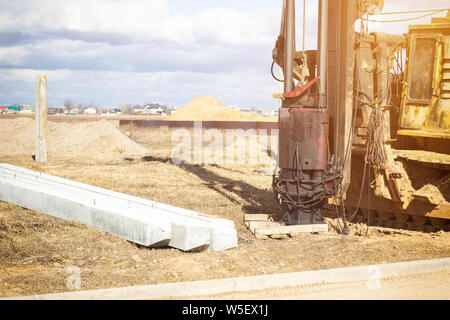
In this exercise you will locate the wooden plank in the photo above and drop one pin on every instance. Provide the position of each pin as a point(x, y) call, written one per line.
point(306, 228)
point(258, 217)
point(262, 224)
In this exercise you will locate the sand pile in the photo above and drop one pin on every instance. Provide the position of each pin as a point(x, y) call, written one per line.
point(211, 109)
point(433, 193)
point(94, 139)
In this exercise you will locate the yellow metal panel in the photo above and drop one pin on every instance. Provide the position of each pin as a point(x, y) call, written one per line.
point(413, 116)
point(442, 211)
point(423, 133)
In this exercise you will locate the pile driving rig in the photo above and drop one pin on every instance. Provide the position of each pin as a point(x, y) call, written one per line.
point(364, 120)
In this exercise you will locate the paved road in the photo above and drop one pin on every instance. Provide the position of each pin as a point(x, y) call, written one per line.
point(434, 286)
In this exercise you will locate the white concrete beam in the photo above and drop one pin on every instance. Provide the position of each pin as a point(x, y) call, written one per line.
point(142, 221)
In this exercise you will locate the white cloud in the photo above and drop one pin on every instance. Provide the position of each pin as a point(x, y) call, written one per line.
point(113, 87)
point(137, 20)
point(13, 56)
point(29, 75)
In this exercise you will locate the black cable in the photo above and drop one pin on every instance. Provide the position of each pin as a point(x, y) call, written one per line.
point(415, 11)
point(273, 75)
point(408, 19)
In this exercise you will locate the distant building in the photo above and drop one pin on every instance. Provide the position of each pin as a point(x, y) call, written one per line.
point(172, 110)
point(11, 109)
point(55, 110)
point(26, 108)
point(271, 113)
point(90, 111)
point(149, 109)
point(73, 111)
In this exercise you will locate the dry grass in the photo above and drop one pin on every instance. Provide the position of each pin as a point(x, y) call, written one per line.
point(35, 249)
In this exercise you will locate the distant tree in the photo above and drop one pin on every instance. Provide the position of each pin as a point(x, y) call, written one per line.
point(126, 108)
point(68, 105)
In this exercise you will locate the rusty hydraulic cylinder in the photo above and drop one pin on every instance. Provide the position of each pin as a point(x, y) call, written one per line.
point(323, 51)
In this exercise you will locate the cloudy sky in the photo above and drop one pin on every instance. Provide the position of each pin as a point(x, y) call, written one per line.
point(109, 52)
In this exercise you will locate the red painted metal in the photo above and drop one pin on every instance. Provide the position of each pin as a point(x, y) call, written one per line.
point(283, 138)
point(298, 92)
point(305, 130)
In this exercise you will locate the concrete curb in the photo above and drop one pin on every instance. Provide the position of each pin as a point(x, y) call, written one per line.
point(212, 287)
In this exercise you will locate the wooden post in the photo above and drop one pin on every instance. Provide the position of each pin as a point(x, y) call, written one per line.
point(41, 118)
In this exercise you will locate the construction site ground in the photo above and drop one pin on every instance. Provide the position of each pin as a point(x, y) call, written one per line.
point(36, 250)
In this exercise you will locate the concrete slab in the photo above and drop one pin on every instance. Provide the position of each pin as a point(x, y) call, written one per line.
point(143, 221)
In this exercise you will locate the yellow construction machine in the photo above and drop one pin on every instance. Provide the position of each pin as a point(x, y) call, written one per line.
point(364, 120)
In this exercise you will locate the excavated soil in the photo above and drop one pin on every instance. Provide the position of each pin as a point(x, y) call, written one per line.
point(94, 139)
point(433, 193)
point(211, 109)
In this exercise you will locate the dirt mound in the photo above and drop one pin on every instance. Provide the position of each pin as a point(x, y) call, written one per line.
point(211, 109)
point(94, 139)
point(336, 226)
point(433, 193)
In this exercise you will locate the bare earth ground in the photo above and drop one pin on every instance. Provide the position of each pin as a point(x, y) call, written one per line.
point(36, 249)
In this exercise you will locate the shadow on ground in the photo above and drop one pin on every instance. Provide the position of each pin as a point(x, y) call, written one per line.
point(252, 199)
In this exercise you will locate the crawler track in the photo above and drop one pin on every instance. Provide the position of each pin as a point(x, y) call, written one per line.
point(391, 220)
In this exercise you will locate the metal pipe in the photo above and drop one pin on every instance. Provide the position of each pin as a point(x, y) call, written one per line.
point(304, 29)
point(283, 19)
point(323, 51)
point(289, 46)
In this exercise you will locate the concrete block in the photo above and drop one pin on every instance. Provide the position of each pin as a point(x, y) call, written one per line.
point(143, 221)
point(190, 237)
